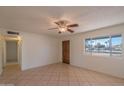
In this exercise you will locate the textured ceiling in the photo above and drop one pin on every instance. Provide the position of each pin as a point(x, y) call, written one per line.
point(40, 18)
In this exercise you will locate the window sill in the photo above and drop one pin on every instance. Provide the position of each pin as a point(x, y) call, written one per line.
point(105, 56)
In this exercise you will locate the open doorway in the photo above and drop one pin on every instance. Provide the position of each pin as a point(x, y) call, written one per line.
point(12, 52)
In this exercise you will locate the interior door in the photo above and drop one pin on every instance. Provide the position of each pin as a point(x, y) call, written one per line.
point(66, 51)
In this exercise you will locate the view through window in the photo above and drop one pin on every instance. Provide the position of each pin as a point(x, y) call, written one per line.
point(105, 46)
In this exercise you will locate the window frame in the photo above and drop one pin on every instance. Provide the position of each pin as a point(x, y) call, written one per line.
point(110, 44)
point(118, 35)
point(85, 45)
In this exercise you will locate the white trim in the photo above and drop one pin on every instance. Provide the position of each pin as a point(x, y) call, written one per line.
point(1, 69)
point(4, 50)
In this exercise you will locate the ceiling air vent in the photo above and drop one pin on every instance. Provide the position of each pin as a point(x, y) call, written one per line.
point(12, 33)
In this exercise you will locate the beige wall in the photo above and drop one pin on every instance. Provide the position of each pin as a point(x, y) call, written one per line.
point(110, 65)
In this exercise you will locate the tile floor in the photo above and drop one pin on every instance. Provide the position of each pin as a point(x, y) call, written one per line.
point(56, 75)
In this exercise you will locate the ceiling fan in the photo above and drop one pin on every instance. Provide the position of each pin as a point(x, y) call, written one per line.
point(63, 26)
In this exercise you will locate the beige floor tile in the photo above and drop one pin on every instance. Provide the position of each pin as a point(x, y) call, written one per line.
point(63, 83)
point(57, 75)
point(74, 83)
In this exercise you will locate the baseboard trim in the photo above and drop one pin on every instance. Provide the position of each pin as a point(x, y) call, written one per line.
point(38, 66)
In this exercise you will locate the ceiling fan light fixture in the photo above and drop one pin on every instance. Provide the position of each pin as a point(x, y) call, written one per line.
point(64, 26)
point(62, 29)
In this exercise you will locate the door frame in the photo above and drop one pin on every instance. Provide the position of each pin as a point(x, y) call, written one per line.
point(1, 60)
point(19, 49)
point(16, 41)
point(69, 51)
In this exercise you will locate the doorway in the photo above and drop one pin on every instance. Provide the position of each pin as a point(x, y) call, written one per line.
point(66, 52)
point(11, 52)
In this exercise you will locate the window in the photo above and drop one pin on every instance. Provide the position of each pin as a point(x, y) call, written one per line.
point(101, 46)
point(88, 45)
point(104, 46)
point(116, 42)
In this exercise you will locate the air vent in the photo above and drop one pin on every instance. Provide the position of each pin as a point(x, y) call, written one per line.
point(12, 33)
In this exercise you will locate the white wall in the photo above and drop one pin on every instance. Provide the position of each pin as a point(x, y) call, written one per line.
point(38, 50)
point(110, 65)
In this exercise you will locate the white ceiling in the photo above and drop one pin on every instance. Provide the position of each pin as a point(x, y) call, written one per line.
point(40, 18)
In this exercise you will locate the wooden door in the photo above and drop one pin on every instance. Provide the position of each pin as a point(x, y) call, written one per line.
point(66, 51)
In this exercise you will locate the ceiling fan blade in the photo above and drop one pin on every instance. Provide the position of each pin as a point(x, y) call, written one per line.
point(73, 25)
point(70, 30)
point(58, 23)
point(52, 28)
